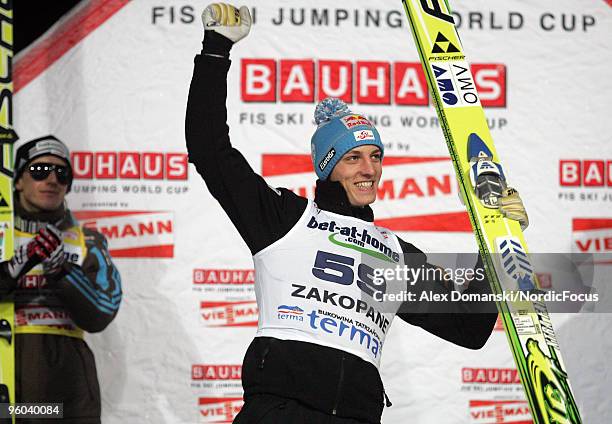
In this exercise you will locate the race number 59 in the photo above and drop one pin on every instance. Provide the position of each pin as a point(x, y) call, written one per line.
point(339, 269)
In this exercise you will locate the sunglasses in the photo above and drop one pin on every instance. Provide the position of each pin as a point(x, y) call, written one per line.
point(41, 171)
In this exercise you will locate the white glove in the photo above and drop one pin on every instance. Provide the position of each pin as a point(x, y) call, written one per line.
point(511, 206)
point(228, 21)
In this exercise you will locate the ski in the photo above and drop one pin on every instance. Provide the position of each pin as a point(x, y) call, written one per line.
point(7, 139)
point(481, 180)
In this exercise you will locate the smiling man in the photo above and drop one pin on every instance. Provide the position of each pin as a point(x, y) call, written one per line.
point(63, 283)
point(40, 195)
point(359, 171)
point(321, 333)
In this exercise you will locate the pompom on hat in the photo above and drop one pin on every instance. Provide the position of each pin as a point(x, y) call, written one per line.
point(338, 131)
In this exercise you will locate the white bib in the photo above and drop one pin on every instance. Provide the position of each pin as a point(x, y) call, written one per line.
point(316, 284)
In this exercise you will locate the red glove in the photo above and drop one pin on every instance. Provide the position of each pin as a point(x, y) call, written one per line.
point(46, 244)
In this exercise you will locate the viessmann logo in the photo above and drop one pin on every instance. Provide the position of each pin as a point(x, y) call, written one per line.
point(287, 80)
point(229, 314)
point(129, 165)
point(592, 235)
point(499, 411)
point(415, 194)
point(133, 234)
point(219, 409)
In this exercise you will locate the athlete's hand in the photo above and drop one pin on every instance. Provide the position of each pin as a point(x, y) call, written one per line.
point(43, 246)
point(511, 206)
point(53, 263)
point(227, 20)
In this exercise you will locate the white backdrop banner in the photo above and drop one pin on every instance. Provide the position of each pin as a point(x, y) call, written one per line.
point(111, 79)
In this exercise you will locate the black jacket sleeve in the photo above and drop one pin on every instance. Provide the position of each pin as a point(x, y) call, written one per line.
point(467, 324)
point(91, 292)
point(261, 214)
point(7, 283)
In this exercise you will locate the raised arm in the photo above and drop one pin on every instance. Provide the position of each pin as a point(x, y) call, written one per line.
point(260, 213)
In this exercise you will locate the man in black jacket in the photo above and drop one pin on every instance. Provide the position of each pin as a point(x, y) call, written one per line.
point(316, 354)
point(63, 283)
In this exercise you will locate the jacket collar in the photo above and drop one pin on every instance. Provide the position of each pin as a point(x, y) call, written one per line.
point(30, 222)
point(331, 196)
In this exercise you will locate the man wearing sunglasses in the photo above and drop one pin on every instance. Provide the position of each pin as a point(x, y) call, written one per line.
point(63, 282)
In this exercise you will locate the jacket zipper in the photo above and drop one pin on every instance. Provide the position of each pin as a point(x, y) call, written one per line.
point(265, 353)
point(339, 390)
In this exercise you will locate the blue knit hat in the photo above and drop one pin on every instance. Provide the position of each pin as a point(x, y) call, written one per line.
point(339, 131)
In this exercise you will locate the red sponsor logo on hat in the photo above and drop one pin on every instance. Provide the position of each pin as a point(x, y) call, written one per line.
point(364, 135)
point(351, 121)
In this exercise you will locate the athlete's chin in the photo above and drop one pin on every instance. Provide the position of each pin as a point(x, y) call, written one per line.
point(48, 205)
point(361, 200)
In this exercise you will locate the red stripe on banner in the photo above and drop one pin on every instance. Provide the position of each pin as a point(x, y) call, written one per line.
point(496, 402)
point(206, 304)
point(163, 251)
point(445, 222)
point(211, 400)
point(85, 215)
point(583, 224)
point(241, 324)
point(283, 164)
point(46, 52)
point(401, 160)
